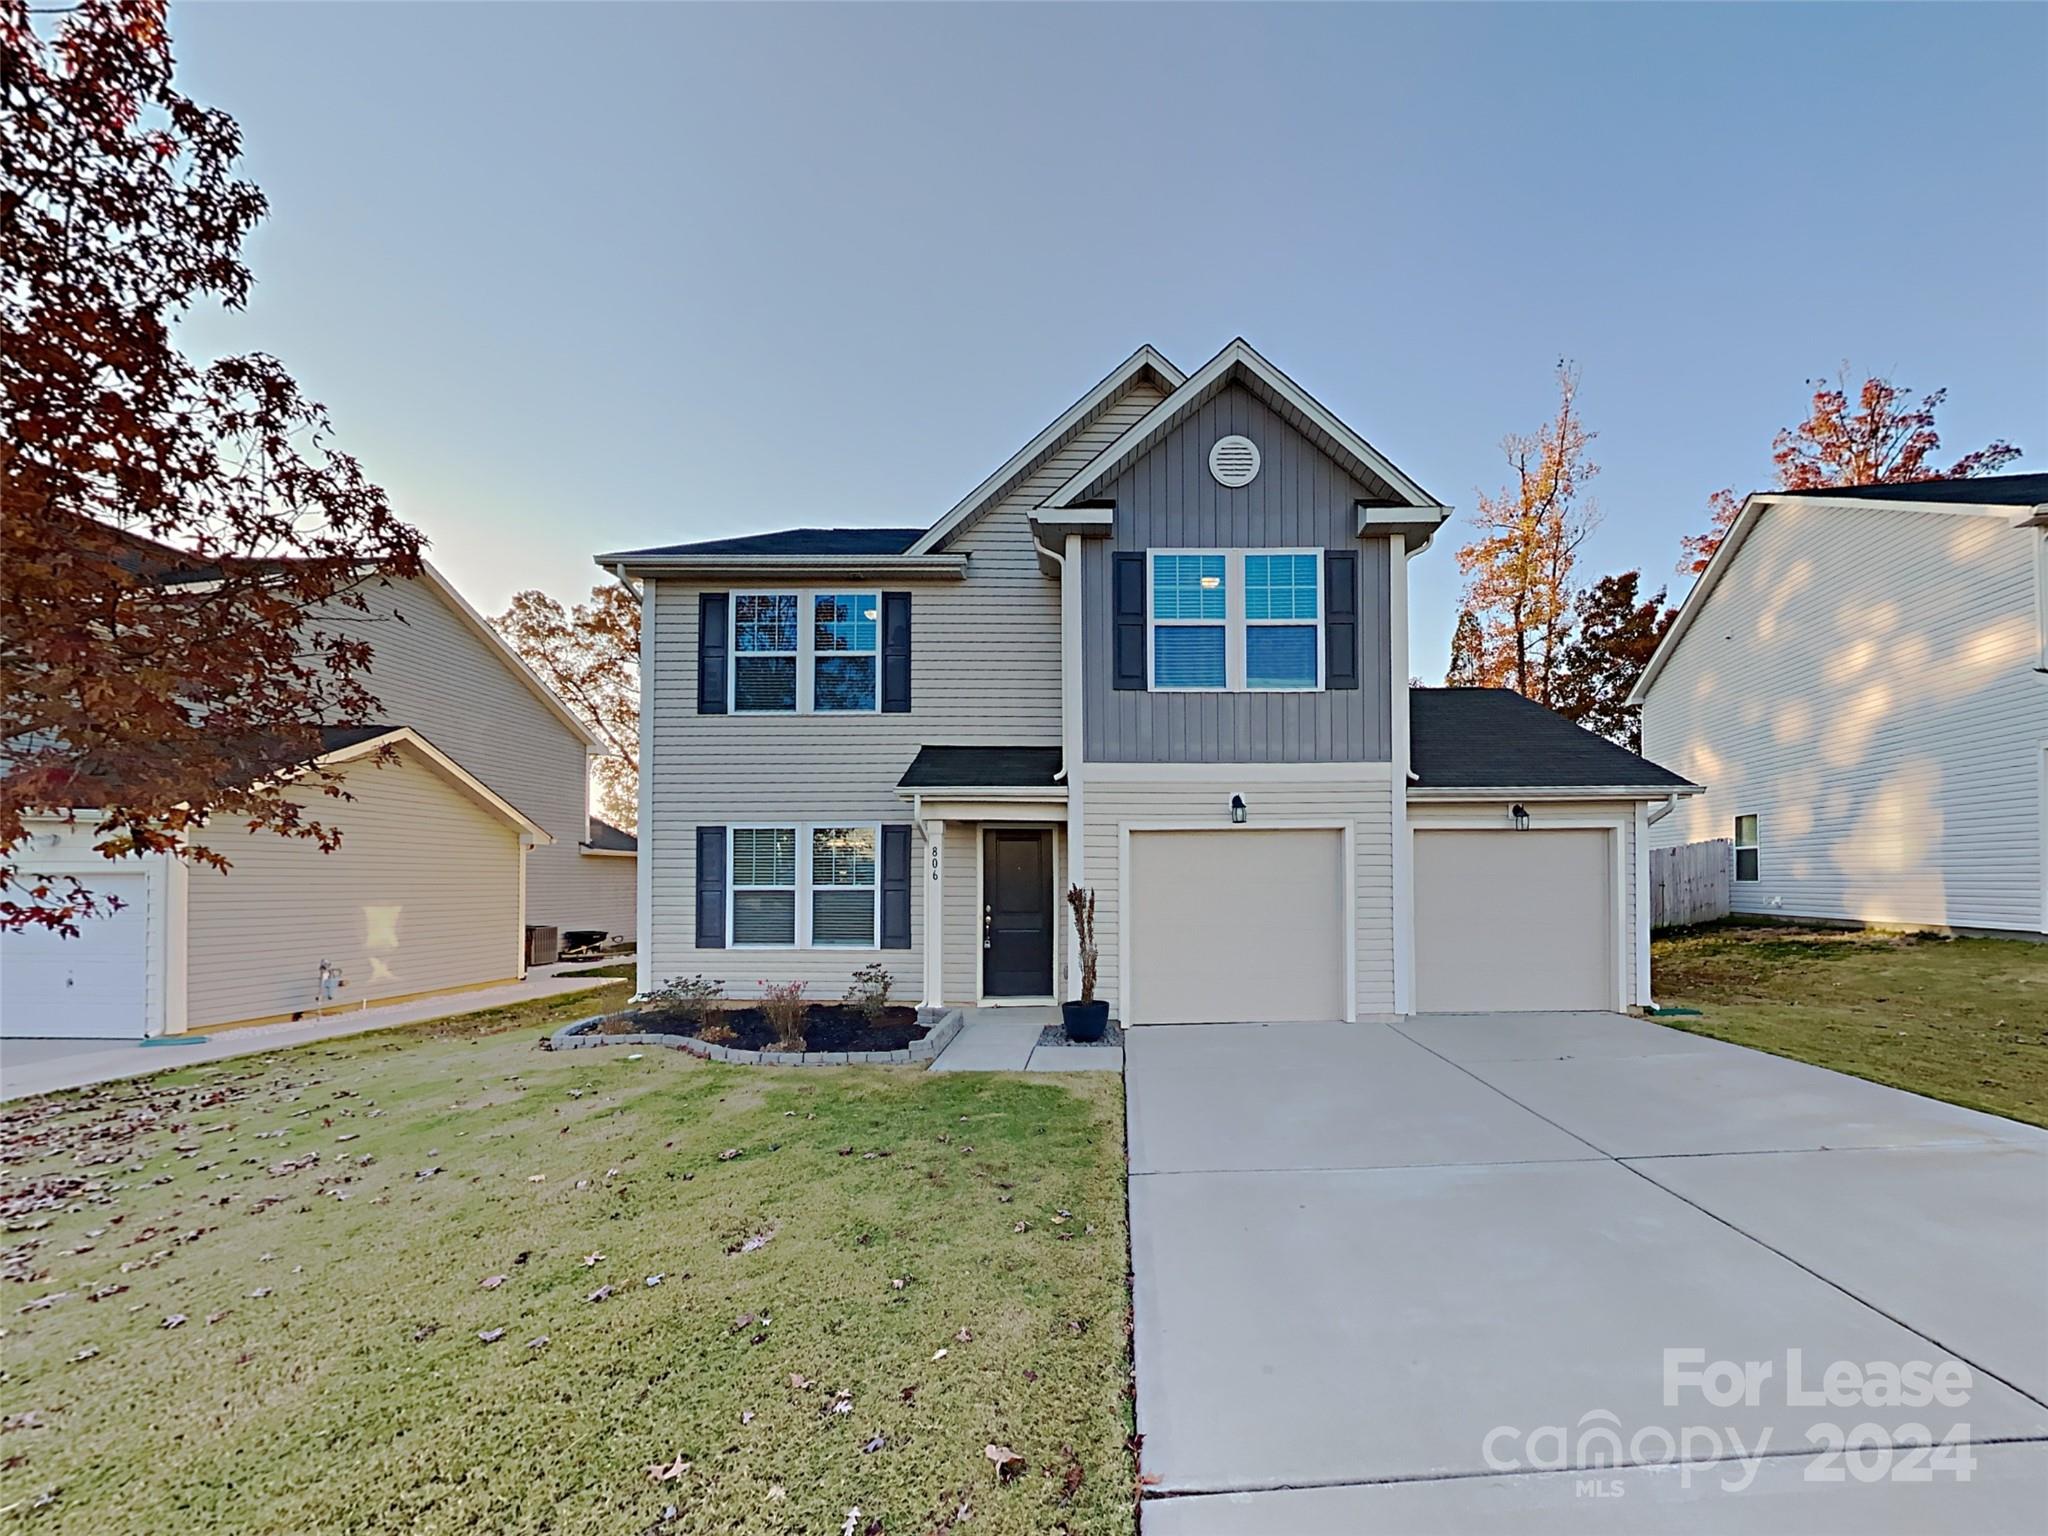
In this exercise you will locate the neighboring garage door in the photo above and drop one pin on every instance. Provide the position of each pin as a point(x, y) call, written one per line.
point(1236, 926)
point(89, 988)
point(1514, 920)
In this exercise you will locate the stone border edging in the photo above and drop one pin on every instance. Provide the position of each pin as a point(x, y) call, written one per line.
point(582, 1035)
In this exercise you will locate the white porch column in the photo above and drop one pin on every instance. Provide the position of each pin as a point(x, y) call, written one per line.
point(934, 913)
point(1073, 745)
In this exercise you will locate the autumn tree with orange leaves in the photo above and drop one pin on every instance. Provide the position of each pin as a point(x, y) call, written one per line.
point(1886, 440)
point(1519, 565)
point(186, 551)
point(590, 656)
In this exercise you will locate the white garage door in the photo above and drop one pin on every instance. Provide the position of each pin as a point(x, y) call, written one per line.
point(1514, 920)
point(88, 988)
point(1235, 926)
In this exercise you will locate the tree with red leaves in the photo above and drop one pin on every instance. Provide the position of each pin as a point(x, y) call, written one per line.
point(186, 551)
point(1886, 440)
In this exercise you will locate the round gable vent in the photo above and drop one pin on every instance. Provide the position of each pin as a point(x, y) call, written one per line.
point(1234, 461)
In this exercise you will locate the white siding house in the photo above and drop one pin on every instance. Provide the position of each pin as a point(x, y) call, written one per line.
point(1865, 674)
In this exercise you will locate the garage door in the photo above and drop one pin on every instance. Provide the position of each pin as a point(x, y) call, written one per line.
point(1236, 926)
point(88, 988)
point(1513, 920)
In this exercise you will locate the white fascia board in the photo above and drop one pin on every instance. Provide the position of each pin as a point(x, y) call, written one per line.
point(1026, 458)
point(589, 852)
point(453, 771)
point(788, 567)
point(1052, 795)
point(1238, 355)
point(1420, 793)
point(1415, 532)
point(1881, 504)
point(511, 658)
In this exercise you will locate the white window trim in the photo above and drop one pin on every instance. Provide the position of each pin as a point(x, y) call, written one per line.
point(1248, 623)
point(1756, 847)
point(1233, 623)
point(806, 650)
point(803, 888)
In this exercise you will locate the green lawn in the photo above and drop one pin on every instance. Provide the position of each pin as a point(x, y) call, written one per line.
point(867, 1277)
point(1959, 1019)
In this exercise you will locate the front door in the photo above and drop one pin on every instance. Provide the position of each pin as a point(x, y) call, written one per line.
point(1016, 913)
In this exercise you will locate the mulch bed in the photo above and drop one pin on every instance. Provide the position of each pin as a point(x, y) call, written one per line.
point(827, 1027)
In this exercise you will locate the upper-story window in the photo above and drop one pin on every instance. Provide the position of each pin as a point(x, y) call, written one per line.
point(804, 652)
point(1236, 620)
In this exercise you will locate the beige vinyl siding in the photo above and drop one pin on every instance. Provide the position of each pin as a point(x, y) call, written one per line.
point(1364, 802)
point(1622, 814)
point(985, 671)
point(611, 886)
point(962, 912)
point(422, 894)
point(435, 673)
point(1862, 680)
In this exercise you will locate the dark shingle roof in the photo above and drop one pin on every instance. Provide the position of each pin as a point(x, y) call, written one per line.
point(610, 838)
point(789, 541)
point(1478, 738)
point(982, 768)
point(1982, 491)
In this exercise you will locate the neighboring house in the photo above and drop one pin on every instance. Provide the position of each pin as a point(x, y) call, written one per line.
point(1860, 679)
point(1160, 653)
point(473, 825)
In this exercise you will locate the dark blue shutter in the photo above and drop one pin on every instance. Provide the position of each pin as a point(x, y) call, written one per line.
point(711, 886)
point(1340, 618)
point(713, 634)
point(1127, 588)
point(896, 886)
point(896, 655)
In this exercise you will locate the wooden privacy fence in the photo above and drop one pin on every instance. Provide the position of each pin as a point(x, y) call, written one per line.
point(1689, 883)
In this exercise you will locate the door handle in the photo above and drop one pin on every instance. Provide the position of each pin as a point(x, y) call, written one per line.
point(988, 926)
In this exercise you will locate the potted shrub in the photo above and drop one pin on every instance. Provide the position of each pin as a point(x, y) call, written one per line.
point(1086, 1019)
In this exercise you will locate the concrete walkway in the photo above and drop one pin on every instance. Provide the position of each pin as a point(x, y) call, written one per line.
point(1006, 1040)
point(29, 1067)
point(1424, 1277)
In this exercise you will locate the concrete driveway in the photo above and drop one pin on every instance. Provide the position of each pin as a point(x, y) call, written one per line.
point(1425, 1277)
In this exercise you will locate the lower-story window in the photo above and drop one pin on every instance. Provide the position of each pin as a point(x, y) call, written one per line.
point(843, 886)
point(1747, 846)
point(804, 886)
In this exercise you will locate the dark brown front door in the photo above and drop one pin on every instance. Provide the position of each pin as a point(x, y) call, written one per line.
point(1016, 914)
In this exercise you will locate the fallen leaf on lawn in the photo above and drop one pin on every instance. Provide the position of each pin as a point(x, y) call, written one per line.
point(898, 1284)
point(536, 1178)
point(1022, 1226)
point(420, 1334)
point(259, 1293)
point(1059, 1217)
point(746, 1415)
point(491, 1335)
point(728, 1154)
point(668, 1472)
point(491, 1282)
point(1008, 1463)
point(214, 1317)
point(539, 1343)
point(874, 1445)
point(634, 1057)
point(175, 1320)
point(602, 1293)
point(852, 1519)
point(963, 1337)
point(351, 1136)
point(590, 1259)
point(426, 1173)
point(909, 1393)
point(755, 1243)
point(777, 1494)
point(84, 1354)
point(938, 1354)
point(801, 1383)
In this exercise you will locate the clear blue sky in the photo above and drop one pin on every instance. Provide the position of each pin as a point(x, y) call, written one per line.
point(578, 277)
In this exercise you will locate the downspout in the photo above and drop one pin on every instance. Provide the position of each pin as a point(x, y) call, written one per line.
point(1061, 562)
point(1670, 804)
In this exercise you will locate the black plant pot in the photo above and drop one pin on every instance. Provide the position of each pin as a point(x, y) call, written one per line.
point(1086, 1021)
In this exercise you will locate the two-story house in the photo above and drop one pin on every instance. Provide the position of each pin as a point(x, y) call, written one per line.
point(466, 819)
point(1162, 654)
point(1860, 679)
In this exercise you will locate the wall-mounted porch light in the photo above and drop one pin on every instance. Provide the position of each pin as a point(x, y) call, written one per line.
point(1237, 810)
point(1520, 816)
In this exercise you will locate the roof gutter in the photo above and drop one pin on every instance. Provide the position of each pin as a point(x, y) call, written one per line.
point(784, 567)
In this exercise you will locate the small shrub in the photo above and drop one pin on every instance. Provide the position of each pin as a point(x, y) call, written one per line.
point(869, 994)
point(690, 996)
point(715, 1033)
point(782, 1005)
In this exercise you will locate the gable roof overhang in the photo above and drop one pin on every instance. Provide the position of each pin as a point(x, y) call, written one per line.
point(1753, 508)
point(369, 741)
point(1077, 506)
point(502, 648)
point(1146, 362)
